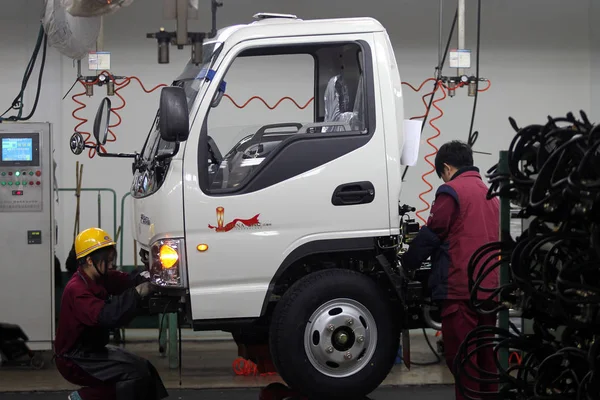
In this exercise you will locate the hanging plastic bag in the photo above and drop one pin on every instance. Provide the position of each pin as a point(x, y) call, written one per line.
point(72, 36)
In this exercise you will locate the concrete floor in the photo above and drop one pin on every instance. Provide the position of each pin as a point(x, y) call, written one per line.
point(439, 392)
point(207, 364)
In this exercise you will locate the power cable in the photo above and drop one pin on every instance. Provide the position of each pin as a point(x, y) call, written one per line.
point(18, 102)
point(71, 88)
point(437, 360)
point(438, 70)
point(39, 83)
point(474, 135)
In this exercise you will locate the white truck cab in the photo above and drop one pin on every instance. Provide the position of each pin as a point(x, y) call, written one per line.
point(280, 223)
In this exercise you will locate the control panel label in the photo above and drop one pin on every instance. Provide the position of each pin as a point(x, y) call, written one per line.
point(34, 237)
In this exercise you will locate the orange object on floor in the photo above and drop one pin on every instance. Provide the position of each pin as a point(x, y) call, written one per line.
point(254, 360)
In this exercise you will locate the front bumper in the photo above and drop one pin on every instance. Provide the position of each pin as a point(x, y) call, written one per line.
point(165, 304)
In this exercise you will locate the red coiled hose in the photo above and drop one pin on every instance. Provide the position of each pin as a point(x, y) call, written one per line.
point(114, 110)
point(438, 85)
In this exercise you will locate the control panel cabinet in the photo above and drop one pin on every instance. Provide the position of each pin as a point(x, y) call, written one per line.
point(21, 186)
point(27, 230)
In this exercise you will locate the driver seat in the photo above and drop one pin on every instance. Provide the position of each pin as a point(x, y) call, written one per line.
point(338, 104)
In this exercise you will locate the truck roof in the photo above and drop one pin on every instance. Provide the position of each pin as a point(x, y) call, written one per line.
point(282, 25)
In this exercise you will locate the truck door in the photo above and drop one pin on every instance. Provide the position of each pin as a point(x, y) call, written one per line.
point(288, 158)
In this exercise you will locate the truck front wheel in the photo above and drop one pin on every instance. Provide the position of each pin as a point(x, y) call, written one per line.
point(334, 335)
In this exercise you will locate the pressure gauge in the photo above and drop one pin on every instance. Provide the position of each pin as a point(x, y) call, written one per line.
point(464, 79)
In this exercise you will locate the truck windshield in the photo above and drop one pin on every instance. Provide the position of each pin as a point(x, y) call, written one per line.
point(191, 80)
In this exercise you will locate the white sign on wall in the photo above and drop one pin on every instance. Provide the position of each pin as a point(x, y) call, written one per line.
point(99, 61)
point(460, 58)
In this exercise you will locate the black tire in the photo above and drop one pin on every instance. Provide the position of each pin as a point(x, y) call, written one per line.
point(290, 319)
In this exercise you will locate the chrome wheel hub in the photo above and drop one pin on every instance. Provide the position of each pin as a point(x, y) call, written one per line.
point(340, 338)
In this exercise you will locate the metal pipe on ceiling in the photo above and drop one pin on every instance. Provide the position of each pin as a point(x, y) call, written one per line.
point(441, 28)
point(182, 22)
point(461, 30)
point(100, 41)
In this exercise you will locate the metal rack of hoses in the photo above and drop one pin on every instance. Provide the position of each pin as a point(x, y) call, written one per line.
point(550, 273)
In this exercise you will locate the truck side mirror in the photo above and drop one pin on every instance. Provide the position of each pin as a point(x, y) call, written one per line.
point(173, 118)
point(102, 122)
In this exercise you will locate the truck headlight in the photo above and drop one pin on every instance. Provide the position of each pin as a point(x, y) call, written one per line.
point(167, 263)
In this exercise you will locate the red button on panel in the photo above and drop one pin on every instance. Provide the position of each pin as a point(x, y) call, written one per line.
point(38, 183)
point(10, 173)
point(38, 173)
point(31, 183)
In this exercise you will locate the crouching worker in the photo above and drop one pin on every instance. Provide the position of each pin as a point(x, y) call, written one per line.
point(95, 300)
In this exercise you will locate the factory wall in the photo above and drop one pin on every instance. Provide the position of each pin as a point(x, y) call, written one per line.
point(595, 60)
point(536, 70)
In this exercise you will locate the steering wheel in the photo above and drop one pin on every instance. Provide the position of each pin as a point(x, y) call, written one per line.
point(253, 151)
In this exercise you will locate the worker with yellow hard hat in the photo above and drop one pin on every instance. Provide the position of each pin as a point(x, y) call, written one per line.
point(97, 299)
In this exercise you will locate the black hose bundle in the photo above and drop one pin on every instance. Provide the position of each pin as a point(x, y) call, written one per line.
point(18, 102)
point(554, 270)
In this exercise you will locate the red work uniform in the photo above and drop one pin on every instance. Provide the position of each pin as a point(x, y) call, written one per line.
point(461, 220)
point(89, 309)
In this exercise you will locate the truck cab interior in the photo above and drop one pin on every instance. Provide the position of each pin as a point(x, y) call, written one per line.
point(339, 106)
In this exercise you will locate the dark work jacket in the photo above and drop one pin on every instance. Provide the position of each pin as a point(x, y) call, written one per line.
point(87, 314)
point(89, 309)
point(460, 222)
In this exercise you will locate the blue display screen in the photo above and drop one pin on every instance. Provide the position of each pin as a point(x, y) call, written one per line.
point(17, 149)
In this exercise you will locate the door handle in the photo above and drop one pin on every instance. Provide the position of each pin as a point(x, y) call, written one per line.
point(353, 193)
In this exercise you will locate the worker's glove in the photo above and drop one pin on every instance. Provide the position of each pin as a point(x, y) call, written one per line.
point(139, 276)
point(145, 289)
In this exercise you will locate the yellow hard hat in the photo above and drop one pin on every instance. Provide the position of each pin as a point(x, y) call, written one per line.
point(91, 240)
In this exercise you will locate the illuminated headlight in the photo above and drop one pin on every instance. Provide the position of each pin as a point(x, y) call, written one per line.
point(167, 263)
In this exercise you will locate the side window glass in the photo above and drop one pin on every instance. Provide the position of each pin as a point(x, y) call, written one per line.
point(272, 99)
point(268, 98)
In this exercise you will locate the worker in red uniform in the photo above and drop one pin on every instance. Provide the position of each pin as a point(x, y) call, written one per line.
point(95, 300)
point(461, 220)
